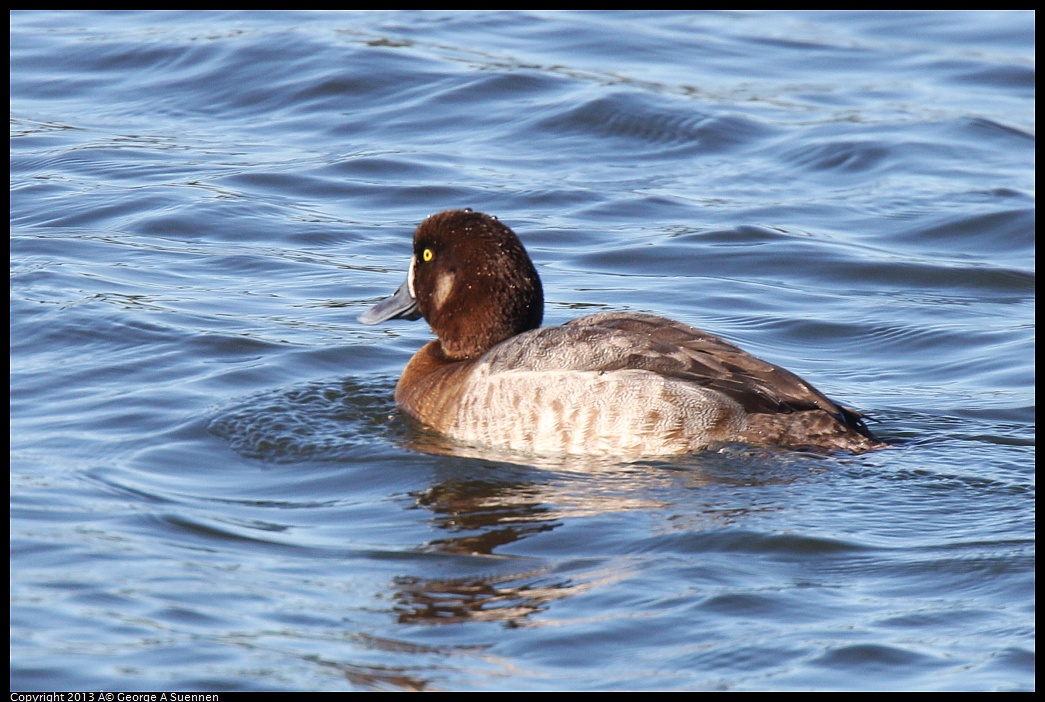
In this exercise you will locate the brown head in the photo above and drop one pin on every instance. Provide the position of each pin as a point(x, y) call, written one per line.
point(472, 281)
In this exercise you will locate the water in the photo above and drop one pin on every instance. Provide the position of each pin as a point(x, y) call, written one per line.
point(211, 488)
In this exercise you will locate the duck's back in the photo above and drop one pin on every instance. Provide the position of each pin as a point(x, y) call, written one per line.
point(630, 384)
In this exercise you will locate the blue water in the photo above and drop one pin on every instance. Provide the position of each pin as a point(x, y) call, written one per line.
point(211, 487)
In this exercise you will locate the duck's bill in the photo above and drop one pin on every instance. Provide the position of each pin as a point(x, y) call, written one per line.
point(401, 305)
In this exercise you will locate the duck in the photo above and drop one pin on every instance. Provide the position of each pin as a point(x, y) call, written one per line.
point(622, 384)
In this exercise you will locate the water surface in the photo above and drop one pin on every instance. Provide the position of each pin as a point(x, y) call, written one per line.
point(211, 487)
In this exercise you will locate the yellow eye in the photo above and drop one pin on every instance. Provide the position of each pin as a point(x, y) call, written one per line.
point(427, 255)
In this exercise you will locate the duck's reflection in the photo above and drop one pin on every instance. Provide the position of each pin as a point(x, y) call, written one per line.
point(483, 515)
point(486, 508)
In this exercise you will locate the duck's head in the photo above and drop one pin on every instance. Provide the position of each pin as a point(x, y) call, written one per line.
point(472, 281)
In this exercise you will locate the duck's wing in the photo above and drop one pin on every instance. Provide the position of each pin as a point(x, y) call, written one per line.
point(670, 348)
point(680, 351)
point(781, 408)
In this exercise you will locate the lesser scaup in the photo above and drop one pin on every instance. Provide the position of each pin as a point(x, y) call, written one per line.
point(614, 383)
